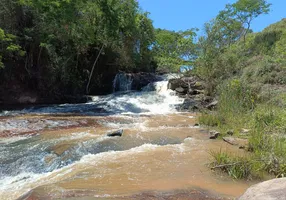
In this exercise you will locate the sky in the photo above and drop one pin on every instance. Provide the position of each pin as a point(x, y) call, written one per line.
point(185, 14)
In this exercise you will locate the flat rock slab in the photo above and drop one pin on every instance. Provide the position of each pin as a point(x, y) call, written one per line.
point(269, 190)
point(236, 141)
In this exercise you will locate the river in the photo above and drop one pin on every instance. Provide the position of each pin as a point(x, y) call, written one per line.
point(63, 151)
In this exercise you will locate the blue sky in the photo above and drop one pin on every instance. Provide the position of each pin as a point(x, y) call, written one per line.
point(185, 14)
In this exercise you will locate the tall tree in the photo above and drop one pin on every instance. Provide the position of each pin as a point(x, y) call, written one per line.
point(245, 11)
point(174, 49)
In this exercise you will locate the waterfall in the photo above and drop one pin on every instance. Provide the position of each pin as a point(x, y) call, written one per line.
point(122, 82)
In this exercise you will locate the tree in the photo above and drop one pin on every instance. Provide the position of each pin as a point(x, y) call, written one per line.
point(8, 47)
point(174, 49)
point(70, 43)
point(220, 47)
point(245, 11)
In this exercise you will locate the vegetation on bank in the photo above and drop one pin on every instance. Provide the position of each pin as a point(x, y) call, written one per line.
point(246, 72)
point(57, 47)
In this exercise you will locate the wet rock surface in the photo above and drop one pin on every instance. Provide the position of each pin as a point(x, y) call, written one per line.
point(191, 194)
point(115, 133)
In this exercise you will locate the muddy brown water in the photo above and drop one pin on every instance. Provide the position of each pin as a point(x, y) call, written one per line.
point(158, 157)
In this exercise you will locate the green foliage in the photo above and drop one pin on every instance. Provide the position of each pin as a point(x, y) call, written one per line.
point(238, 167)
point(62, 39)
point(245, 11)
point(222, 53)
point(8, 48)
point(210, 119)
point(236, 97)
point(247, 72)
point(174, 49)
point(267, 145)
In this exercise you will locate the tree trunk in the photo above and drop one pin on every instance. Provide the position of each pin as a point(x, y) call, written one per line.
point(90, 76)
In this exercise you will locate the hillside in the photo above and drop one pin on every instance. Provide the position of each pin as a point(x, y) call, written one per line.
point(250, 83)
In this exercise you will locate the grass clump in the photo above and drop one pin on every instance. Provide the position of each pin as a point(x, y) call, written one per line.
point(237, 167)
point(210, 119)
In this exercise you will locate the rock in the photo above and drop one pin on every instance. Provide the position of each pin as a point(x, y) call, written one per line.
point(268, 190)
point(188, 104)
point(236, 141)
point(194, 108)
point(214, 134)
point(230, 132)
point(195, 92)
point(244, 131)
point(181, 90)
point(190, 80)
point(116, 133)
point(212, 104)
point(27, 99)
point(230, 140)
point(176, 83)
point(207, 99)
point(198, 85)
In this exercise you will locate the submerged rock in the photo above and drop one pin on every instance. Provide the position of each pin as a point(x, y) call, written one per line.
point(273, 189)
point(116, 133)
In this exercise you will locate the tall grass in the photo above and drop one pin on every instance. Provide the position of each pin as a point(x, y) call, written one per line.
point(240, 107)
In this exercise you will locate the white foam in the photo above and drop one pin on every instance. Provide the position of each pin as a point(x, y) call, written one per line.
point(13, 187)
point(12, 139)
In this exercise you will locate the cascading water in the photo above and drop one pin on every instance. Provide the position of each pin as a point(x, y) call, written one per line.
point(155, 98)
point(122, 82)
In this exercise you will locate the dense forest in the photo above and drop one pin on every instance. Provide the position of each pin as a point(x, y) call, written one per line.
point(57, 47)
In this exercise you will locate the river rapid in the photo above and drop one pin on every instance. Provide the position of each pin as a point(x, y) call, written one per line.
point(63, 151)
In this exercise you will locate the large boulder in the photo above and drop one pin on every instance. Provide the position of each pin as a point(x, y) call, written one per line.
point(269, 190)
point(177, 83)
